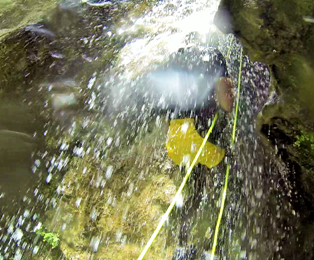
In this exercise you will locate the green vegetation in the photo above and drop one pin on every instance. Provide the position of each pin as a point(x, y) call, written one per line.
point(305, 139)
point(51, 238)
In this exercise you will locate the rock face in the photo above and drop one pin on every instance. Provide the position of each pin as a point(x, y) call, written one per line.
point(281, 34)
point(70, 40)
point(118, 200)
point(49, 42)
point(18, 14)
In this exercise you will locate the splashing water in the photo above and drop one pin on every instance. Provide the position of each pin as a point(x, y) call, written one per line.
point(167, 31)
point(111, 174)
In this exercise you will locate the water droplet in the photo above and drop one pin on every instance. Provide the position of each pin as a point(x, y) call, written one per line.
point(180, 201)
point(17, 235)
point(78, 202)
point(184, 128)
point(109, 172)
point(94, 243)
point(49, 177)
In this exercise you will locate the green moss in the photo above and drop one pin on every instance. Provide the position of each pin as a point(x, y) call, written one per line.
point(125, 208)
point(22, 13)
point(5, 5)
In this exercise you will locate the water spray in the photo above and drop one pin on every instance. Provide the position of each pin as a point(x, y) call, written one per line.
point(224, 194)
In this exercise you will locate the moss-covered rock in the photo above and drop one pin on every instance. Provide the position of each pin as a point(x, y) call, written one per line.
point(18, 14)
point(280, 34)
point(111, 204)
point(49, 42)
point(277, 33)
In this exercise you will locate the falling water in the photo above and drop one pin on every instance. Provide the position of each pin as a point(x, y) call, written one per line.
point(104, 175)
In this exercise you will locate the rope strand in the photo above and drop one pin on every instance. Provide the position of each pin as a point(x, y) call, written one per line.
point(174, 201)
point(224, 194)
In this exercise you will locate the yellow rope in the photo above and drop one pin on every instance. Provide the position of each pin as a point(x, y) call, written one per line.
point(238, 99)
point(224, 194)
point(174, 201)
point(229, 50)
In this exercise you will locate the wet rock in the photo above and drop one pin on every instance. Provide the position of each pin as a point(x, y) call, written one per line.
point(185, 254)
point(283, 39)
point(18, 14)
point(110, 215)
point(67, 42)
point(17, 144)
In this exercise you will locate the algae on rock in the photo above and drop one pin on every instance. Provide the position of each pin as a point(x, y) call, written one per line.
point(110, 206)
